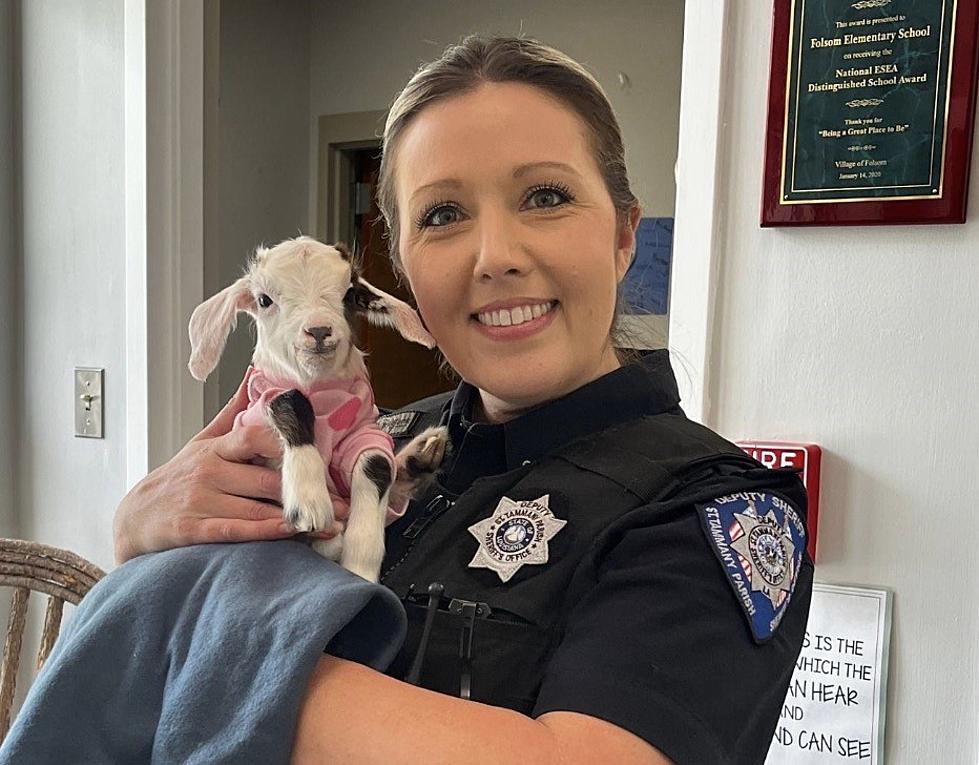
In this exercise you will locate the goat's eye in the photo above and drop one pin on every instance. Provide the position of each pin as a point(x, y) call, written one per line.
point(264, 300)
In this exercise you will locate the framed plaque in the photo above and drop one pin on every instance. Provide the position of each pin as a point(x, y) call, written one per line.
point(870, 112)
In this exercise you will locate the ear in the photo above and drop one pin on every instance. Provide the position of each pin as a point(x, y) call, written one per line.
point(625, 242)
point(384, 310)
point(212, 322)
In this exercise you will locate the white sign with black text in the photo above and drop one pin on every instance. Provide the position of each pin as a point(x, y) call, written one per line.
point(834, 709)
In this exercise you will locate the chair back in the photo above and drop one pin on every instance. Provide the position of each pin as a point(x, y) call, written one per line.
point(62, 576)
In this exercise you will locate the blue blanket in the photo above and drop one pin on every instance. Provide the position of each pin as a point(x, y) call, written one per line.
point(199, 655)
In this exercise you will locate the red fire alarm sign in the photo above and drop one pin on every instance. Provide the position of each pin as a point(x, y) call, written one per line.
point(805, 457)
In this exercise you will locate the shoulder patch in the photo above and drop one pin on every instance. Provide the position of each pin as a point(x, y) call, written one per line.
point(399, 423)
point(759, 540)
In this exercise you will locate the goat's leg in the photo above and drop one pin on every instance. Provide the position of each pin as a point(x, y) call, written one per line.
point(306, 502)
point(363, 543)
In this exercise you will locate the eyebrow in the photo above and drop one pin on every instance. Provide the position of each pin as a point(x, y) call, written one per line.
point(443, 183)
point(531, 166)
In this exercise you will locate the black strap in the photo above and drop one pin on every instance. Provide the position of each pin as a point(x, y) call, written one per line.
point(435, 590)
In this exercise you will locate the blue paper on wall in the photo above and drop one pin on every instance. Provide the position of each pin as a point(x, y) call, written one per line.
point(647, 282)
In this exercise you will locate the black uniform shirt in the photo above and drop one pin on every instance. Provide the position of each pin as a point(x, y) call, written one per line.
point(660, 644)
point(625, 394)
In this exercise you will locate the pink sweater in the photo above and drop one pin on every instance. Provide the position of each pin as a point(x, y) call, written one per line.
point(346, 426)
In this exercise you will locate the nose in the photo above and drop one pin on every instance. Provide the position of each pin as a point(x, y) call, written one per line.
point(501, 253)
point(318, 333)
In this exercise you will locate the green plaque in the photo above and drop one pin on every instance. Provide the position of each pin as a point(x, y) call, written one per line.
point(867, 96)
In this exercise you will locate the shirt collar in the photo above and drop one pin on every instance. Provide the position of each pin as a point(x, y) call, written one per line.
point(642, 388)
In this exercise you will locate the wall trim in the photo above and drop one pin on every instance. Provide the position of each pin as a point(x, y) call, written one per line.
point(697, 239)
point(164, 47)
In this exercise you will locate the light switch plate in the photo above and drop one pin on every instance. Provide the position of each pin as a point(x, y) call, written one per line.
point(89, 392)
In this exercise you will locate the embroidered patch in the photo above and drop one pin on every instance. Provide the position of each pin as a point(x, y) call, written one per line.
point(399, 423)
point(515, 535)
point(759, 540)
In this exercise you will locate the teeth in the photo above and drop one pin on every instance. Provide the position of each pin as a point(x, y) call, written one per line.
point(515, 316)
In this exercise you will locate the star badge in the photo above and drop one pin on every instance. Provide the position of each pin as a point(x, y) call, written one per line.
point(769, 550)
point(515, 535)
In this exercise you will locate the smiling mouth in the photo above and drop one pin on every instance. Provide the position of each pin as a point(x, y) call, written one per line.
point(515, 316)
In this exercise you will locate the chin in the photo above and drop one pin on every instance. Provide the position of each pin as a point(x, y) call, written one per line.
point(316, 365)
point(530, 387)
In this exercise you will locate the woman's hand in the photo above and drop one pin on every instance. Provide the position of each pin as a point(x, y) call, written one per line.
point(208, 492)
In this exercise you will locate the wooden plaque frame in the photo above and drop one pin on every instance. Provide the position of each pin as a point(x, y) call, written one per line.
point(950, 207)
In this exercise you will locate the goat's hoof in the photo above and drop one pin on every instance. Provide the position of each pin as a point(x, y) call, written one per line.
point(310, 513)
point(423, 455)
point(331, 548)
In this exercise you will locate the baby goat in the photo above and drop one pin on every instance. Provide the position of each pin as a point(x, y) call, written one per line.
point(310, 383)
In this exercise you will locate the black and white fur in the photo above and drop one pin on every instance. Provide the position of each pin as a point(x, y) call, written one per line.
point(303, 295)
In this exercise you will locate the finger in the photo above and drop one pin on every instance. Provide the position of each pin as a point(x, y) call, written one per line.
point(255, 481)
point(234, 508)
point(212, 530)
point(247, 443)
point(224, 419)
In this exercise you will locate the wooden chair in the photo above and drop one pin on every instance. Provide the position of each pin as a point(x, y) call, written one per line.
point(60, 574)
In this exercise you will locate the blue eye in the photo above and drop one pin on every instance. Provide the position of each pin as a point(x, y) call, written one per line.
point(438, 215)
point(549, 195)
point(443, 216)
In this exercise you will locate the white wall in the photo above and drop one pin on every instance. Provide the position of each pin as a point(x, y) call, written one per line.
point(73, 269)
point(865, 341)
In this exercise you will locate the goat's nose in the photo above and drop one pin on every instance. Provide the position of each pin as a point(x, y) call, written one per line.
point(318, 333)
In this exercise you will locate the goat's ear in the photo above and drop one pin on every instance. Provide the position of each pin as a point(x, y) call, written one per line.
point(384, 310)
point(212, 322)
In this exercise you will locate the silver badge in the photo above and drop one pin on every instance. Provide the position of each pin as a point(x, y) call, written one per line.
point(516, 535)
point(768, 548)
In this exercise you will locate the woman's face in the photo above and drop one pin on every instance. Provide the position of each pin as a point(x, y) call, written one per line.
point(509, 241)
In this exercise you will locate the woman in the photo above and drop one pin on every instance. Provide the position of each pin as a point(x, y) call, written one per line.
point(615, 582)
